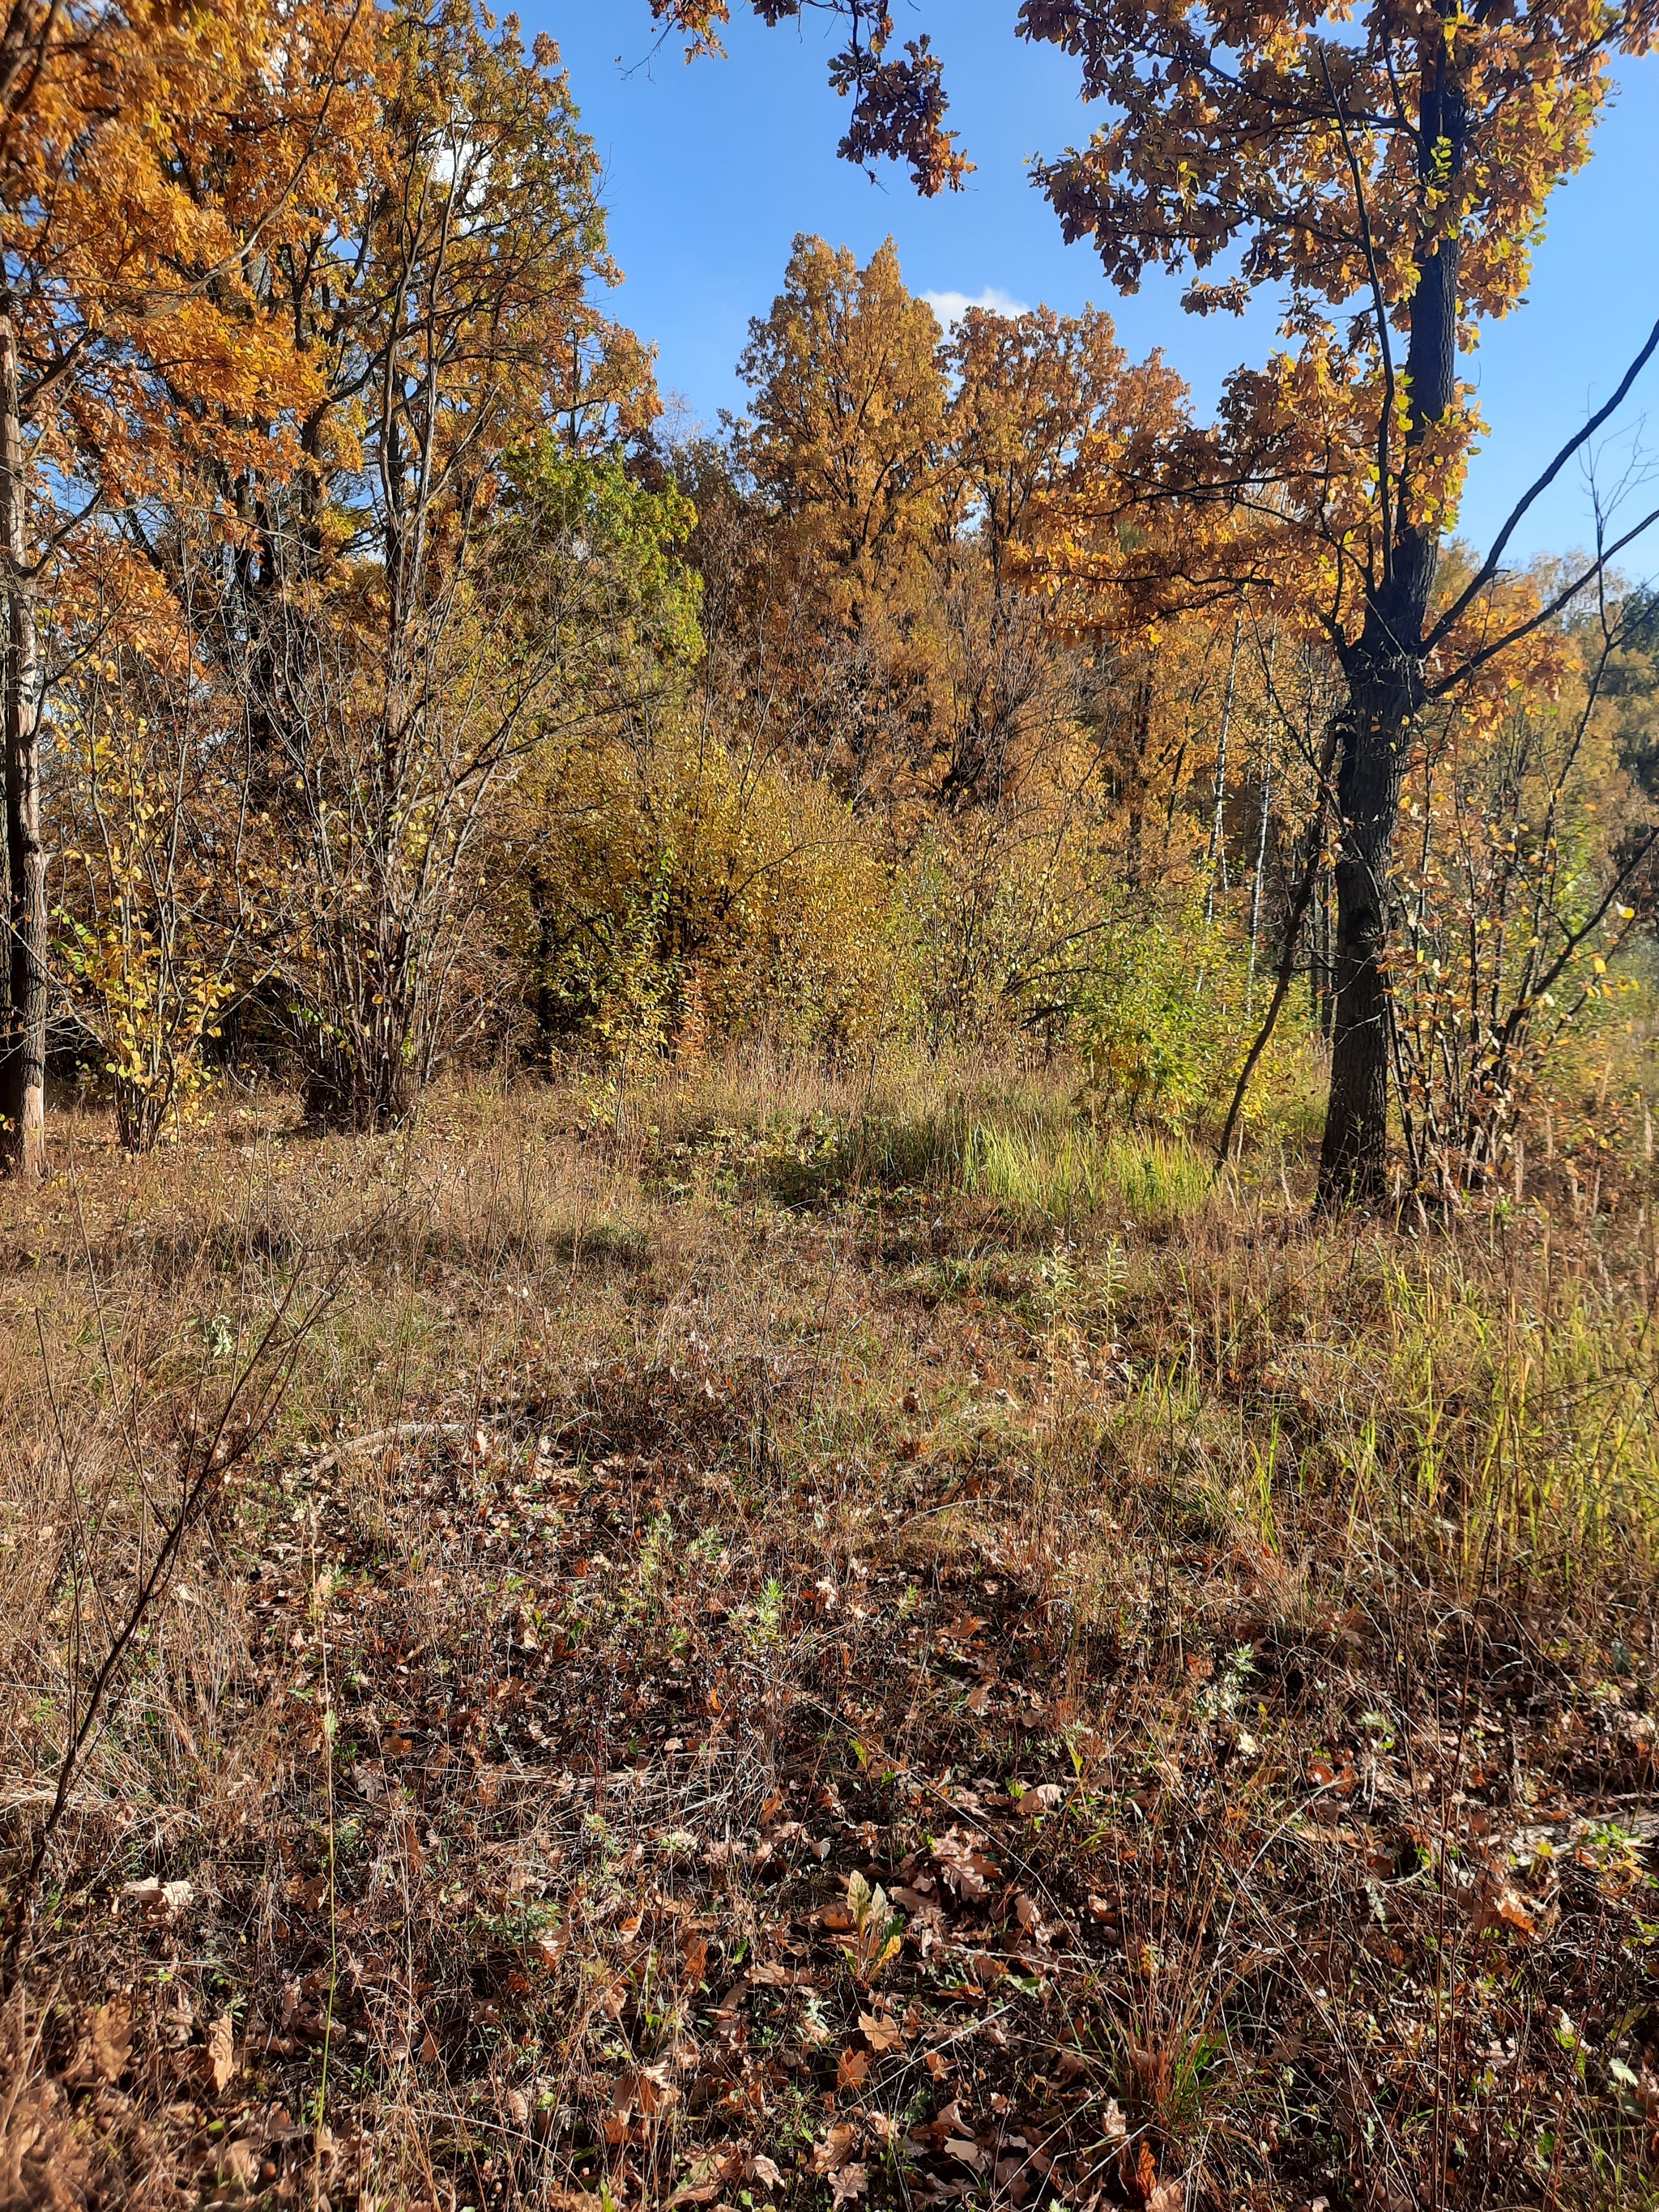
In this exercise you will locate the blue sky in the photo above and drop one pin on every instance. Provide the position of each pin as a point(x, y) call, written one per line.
point(711, 171)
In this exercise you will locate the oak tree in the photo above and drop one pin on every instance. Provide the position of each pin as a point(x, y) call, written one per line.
point(150, 157)
point(1380, 170)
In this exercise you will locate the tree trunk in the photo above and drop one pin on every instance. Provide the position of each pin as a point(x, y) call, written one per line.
point(23, 1049)
point(1354, 1156)
point(1385, 667)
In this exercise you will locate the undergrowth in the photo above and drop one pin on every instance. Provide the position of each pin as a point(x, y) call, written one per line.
point(808, 1638)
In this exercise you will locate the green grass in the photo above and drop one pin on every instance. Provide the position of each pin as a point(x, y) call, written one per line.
point(1037, 1172)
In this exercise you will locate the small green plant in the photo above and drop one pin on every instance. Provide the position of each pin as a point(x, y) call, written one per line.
point(766, 1627)
point(877, 1930)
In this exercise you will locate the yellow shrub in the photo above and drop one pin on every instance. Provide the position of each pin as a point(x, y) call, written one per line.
point(670, 884)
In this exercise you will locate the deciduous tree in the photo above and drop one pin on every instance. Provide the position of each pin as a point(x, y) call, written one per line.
point(151, 159)
point(1384, 175)
point(374, 614)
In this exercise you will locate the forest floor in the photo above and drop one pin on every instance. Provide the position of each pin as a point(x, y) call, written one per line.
point(850, 1644)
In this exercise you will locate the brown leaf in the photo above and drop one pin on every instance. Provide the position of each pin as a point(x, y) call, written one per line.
point(222, 2051)
point(833, 2150)
point(109, 2040)
point(764, 2171)
point(161, 1902)
point(1167, 2197)
point(883, 2032)
point(238, 2163)
point(851, 2072)
point(851, 2181)
point(1501, 1905)
point(646, 2090)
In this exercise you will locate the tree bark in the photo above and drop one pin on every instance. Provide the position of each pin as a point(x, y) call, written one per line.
point(1353, 1158)
point(1386, 671)
point(23, 1049)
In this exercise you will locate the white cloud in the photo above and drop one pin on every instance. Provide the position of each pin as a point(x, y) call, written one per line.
point(951, 306)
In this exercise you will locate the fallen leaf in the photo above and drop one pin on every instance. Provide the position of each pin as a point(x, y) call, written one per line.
point(708, 2176)
point(964, 1866)
point(763, 2170)
point(239, 2163)
point(109, 2039)
point(851, 2181)
point(832, 2152)
point(159, 1901)
point(646, 2090)
point(1501, 1905)
point(854, 2067)
point(883, 2033)
point(222, 2051)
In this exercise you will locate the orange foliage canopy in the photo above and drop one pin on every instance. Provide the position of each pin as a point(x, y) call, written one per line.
point(898, 104)
point(161, 156)
point(1385, 169)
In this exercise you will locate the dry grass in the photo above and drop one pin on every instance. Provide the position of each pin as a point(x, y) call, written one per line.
point(1231, 1649)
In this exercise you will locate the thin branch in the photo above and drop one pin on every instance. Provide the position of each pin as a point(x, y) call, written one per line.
point(153, 1587)
point(1546, 613)
point(1488, 568)
point(1299, 906)
point(1385, 428)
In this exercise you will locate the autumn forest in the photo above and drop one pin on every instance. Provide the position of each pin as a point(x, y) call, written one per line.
point(827, 1239)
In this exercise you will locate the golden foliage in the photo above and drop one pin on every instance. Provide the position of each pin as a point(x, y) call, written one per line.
point(676, 886)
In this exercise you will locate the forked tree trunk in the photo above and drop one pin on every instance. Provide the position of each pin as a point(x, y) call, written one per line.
point(23, 1048)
